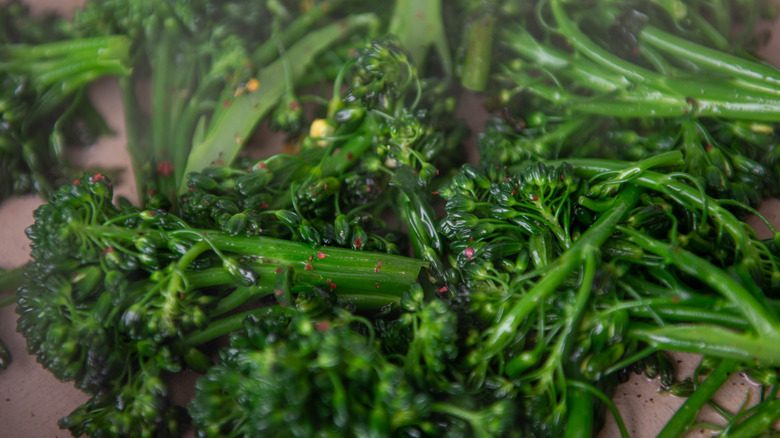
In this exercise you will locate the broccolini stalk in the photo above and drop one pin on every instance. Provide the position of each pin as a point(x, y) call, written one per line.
point(620, 86)
point(686, 415)
point(419, 25)
point(479, 45)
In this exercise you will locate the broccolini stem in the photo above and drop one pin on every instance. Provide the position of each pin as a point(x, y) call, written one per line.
point(651, 94)
point(758, 75)
point(604, 399)
point(711, 340)
point(292, 32)
point(579, 410)
point(163, 94)
point(220, 328)
point(479, 48)
point(759, 422)
point(686, 414)
point(761, 319)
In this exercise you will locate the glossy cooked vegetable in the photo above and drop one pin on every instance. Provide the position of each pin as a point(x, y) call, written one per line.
point(370, 282)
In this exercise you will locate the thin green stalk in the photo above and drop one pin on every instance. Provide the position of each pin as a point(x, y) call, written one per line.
point(220, 327)
point(604, 399)
point(136, 133)
point(761, 320)
point(685, 416)
point(419, 25)
point(598, 54)
point(750, 71)
point(759, 422)
point(479, 48)
point(268, 51)
point(162, 121)
point(672, 96)
point(712, 340)
point(579, 413)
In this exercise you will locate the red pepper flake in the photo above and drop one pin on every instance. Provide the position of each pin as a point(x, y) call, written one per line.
point(308, 266)
point(358, 242)
point(415, 172)
point(324, 187)
point(140, 234)
point(534, 198)
point(675, 299)
point(469, 253)
point(513, 192)
point(368, 188)
point(311, 258)
point(110, 184)
point(109, 249)
point(264, 205)
point(279, 270)
point(75, 274)
point(437, 172)
point(321, 326)
point(98, 177)
point(152, 213)
point(261, 165)
point(709, 147)
point(378, 267)
point(506, 179)
point(278, 292)
point(328, 281)
point(442, 290)
point(192, 189)
point(225, 103)
point(349, 155)
point(333, 285)
point(435, 192)
point(321, 255)
point(471, 239)
point(205, 233)
point(377, 284)
point(76, 182)
point(165, 168)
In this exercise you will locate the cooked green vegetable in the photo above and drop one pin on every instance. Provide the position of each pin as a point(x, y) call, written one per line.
point(370, 282)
